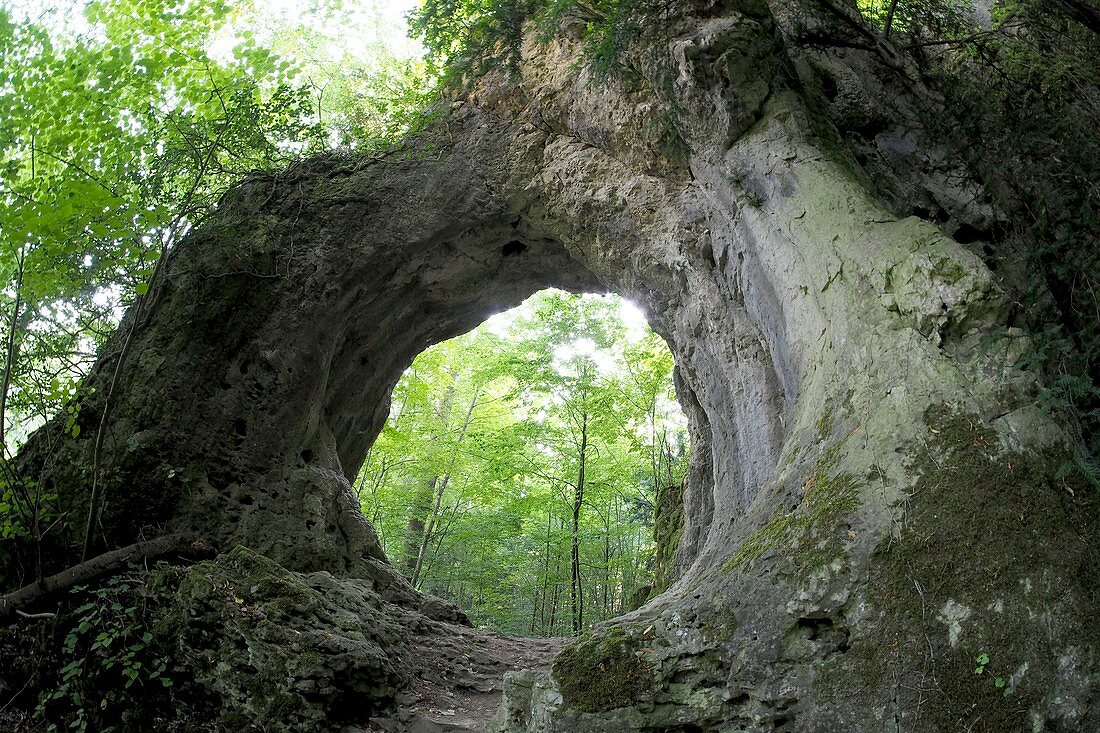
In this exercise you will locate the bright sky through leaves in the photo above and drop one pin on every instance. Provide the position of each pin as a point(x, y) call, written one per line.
point(633, 320)
point(364, 30)
point(361, 30)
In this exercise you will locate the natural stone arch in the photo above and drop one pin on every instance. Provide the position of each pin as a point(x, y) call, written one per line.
point(822, 343)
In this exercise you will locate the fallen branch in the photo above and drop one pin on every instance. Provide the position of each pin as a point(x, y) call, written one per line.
point(24, 614)
point(11, 603)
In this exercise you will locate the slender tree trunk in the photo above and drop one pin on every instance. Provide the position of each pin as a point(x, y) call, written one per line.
point(12, 353)
point(607, 594)
point(546, 573)
point(428, 529)
point(440, 489)
point(416, 524)
point(576, 591)
point(889, 23)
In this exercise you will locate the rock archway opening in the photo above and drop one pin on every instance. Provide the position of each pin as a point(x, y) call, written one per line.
point(531, 470)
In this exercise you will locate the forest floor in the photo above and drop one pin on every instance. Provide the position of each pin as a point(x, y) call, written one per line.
point(459, 680)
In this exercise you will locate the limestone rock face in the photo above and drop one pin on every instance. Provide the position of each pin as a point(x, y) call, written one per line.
point(873, 500)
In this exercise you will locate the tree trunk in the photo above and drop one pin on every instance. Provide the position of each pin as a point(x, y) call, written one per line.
point(546, 629)
point(416, 527)
point(576, 590)
point(428, 529)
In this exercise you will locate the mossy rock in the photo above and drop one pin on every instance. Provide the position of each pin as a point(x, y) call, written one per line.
point(961, 589)
point(284, 651)
point(604, 671)
point(668, 527)
point(828, 497)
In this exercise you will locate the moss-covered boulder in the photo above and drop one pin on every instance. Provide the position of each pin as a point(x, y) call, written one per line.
point(283, 651)
point(601, 672)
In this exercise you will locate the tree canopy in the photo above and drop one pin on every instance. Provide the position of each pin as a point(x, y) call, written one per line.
point(519, 468)
point(126, 122)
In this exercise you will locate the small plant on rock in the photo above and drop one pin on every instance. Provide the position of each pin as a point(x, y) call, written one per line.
point(1000, 683)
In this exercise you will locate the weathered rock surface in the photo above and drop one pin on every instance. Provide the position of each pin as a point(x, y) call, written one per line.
point(875, 498)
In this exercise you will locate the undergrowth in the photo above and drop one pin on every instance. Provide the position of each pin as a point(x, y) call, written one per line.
point(102, 664)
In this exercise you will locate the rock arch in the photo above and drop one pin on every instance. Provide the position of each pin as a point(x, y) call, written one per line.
point(827, 360)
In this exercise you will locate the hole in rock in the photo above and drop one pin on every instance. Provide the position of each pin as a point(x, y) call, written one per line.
point(530, 469)
point(513, 248)
point(824, 630)
point(968, 234)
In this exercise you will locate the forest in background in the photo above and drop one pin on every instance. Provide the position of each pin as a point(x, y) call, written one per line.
point(519, 469)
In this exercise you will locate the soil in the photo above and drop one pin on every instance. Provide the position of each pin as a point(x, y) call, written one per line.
point(459, 678)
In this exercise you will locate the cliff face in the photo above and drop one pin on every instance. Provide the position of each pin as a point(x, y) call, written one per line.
point(873, 502)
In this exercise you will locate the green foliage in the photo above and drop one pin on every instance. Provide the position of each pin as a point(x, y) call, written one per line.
point(469, 35)
point(472, 483)
point(1019, 107)
point(475, 35)
point(982, 660)
point(128, 120)
point(918, 19)
point(1038, 123)
point(127, 134)
point(112, 676)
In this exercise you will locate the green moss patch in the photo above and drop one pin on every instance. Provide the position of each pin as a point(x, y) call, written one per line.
point(996, 562)
point(605, 671)
point(281, 650)
point(827, 497)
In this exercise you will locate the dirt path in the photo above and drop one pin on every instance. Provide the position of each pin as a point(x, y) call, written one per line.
point(459, 678)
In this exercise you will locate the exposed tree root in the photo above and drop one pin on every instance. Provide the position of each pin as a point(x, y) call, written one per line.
point(12, 603)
